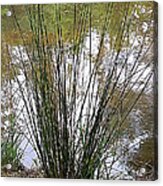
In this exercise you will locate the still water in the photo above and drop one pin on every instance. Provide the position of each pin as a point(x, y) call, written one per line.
point(131, 140)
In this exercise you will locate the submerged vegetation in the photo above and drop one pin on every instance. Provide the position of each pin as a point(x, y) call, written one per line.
point(79, 79)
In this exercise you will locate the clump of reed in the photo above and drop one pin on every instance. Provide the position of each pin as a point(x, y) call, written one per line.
point(69, 142)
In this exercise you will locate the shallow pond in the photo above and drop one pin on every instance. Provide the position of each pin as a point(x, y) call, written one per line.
point(137, 130)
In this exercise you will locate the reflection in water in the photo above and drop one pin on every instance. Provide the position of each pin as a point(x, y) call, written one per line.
point(123, 150)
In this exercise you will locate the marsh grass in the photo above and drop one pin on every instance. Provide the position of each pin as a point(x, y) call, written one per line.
point(68, 142)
